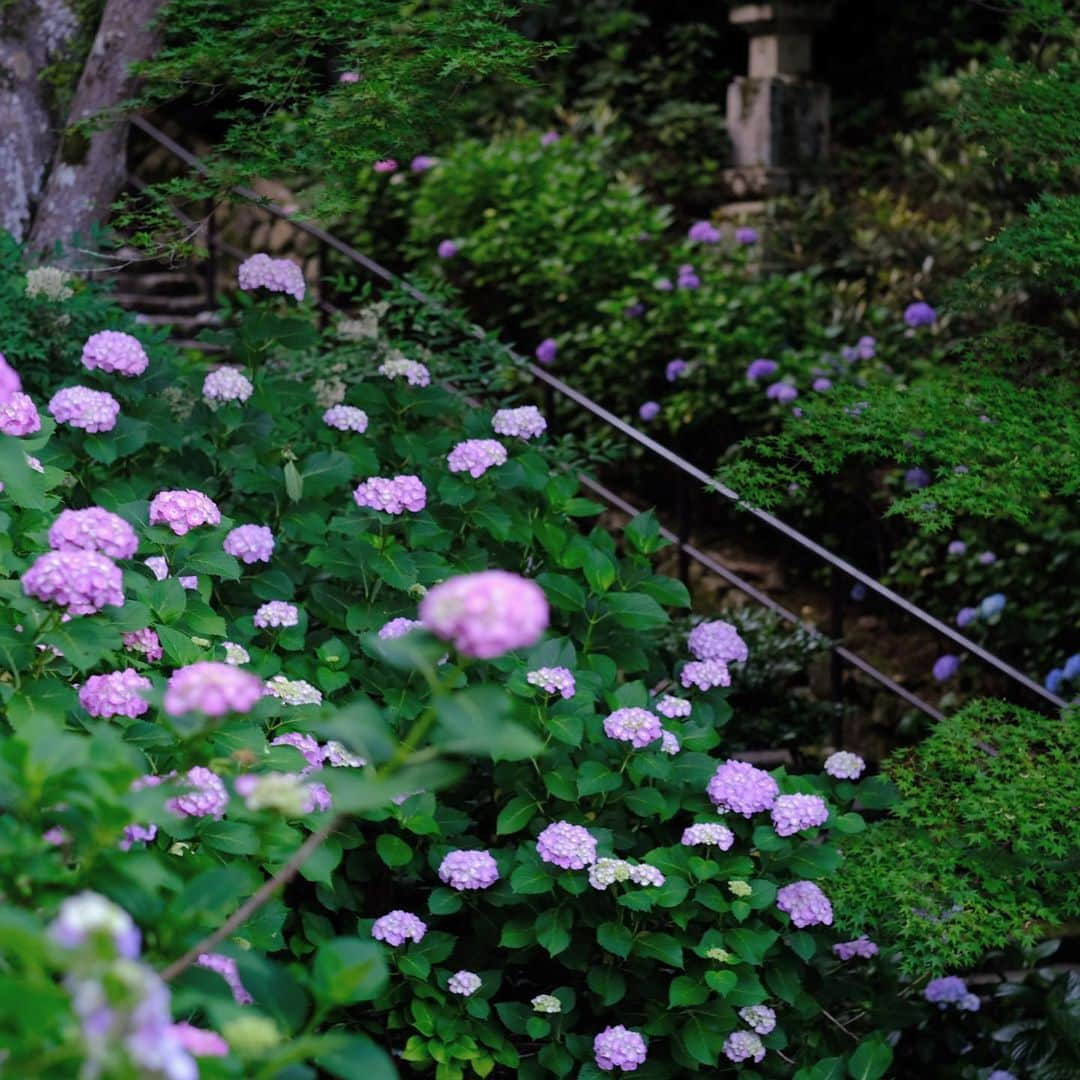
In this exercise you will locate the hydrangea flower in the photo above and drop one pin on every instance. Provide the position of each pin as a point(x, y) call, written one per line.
point(703, 232)
point(966, 615)
point(183, 510)
point(526, 422)
point(284, 792)
point(782, 392)
point(546, 1003)
point(606, 872)
point(663, 285)
point(866, 347)
point(945, 667)
point(225, 966)
point(821, 384)
point(639, 727)
point(570, 847)
point(553, 680)
point(487, 614)
point(951, 990)
point(397, 927)
point(806, 904)
point(717, 640)
point(673, 707)
point(710, 833)
point(423, 162)
point(740, 888)
point(198, 1041)
point(225, 384)
point(157, 566)
point(447, 249)
point(669, 742)
point(739, 788)
point(307, 745)
point(349, 77)
point(650, 410)
point(861, 946)
point(619, 1048)
point(688, 278)
point(1054, 678)
point(760, 1018)
point(276, 613)
point(10, 383)
point(250, 543)
point(212, 689)
point(19, 416)
point(206, 796)
point(464, 983)
point(274, 275)
point(546, 351)
point(88, 916)
point(144, 641)
point(746, 235)
point(992, 605)
point(463, 870)
point(114, 352)
point(644, 874)
point(987, 558)
point(549, 138)
point(705, 674)
point(919, 314)
point(476, 456)
point(399, 627)
point(1071, 669)
point(346, 418)
point(760, 369)
point(675, 368)
point(392, 494)
point(793, 813)
point(957, 547)
point(386, 165)
point(82, 581)
point(294, 691)
point(92, 410)
point(412, 371)
point(844, 765)
point(115, 694)
point(916, 479)
point(339, 757)
point(744, 1046)
point(93, 529)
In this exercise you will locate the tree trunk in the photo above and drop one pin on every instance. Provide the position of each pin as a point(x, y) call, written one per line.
point(88, 172)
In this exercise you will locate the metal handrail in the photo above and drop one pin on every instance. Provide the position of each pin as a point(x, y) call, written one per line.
point(558, 386)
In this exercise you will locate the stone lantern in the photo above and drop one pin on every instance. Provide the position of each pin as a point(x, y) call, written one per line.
point(777, 117)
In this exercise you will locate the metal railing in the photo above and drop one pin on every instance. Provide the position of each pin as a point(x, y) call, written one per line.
point(555, 389)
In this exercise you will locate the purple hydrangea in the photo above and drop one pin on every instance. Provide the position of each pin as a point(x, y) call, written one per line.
point(746, 235)
point(114, 352)
point(464, 983)
point(606, 872)
point(526, 422)
point(82, 581)
point(553, 680)
point(966, 615)
point(92, 410)
point(93, 529)
point(844, 765)
point(793, 813)
point(782, 392)
point(957, 547)
point(806, 904)
point(487, 614)
point(546, 351)
point(673, 708)
point(619, 1048)
point(717, 640)
point(948, 990)
point(919, 314)
point(669, 742)
point(349, 77)
point(987, 558)
point(211, 688)
point(19, 416)
point(644, 874)
point(183, 511)
point(199, 1042)
point(476, 456)
point(447, 249)
point(571, 847)
point(675, 368)
point(992, 605)
point(392, 494)
point(739, 788)
point(650, 410)
point(87, 916)
point(346, 418)
point(945, 667)
point(225, 384)
point(276, 613)
point(399, 627)
point(549, 138)
point(705, 674)
point(10, 383)
point(157, 566)
point(760, 1018)
point(306, 744)
point(250, 543)
point(144, 641)
point(423, 162)
point(821, 385)
point(225, 966)
point(862, 947)
point(761, 369)
point(663, 285)
point(866, 347)
point(463, 870)
point(397, 927)
point(916, 479)
point(639, 727)
point(275, 275)
point(744, 1046)
point(703, 232)
point(206, 796)
point(116, 694)
point(708, 832)
point(412, 371)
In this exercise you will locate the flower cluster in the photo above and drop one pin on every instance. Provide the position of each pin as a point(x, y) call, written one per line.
point(397, 927)
point(546, 351)
point(805, 903)
point(114, 352)
point(951, 990)
point(118, 693)
point(669, 742)
point(705, 674)
point(744, 1046)
point(205, 795)
point(399, 627)
point(212, 689)
point(546, 1003)
point(708, 833)
point(793, 813)
point(673, 708)
point(526, 422)
point(760, 1018)
point(225, 384)
point(92, 410)
point(19, 416)
point(860, 946)
point(392, 495)
point(919, 314)
point(287, 793)
point(463, 870)
point(717, 640)
point(844, 765)
point(639, 727)
point(144, 641)
point(276, 613)
point(476, 456)
point(346, 418)
point(82, 581)
point(553, 680)
point(275, 275)
point(93, 529)
point(570, 847)
point(412, 371)
point(183, 511)
point(703, 232)
point(250, 543)
point(294, 691)
point(464, 983)
point(619, 1048)
point(739, 788)
point(225, 966)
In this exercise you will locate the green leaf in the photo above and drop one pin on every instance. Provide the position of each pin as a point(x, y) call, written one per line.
point(750, 945)
point(530, 880)
point(871, 1060)
point(643, 533)
point(683, 990)
point(659, 946)
point(607, 983)
point(667, 591)
point(699, 1040)
point(325, 473)
point(562, 592)
point(356, 1057)
point(594, 777)
point(215, 563)
point(723, 982)
point(849, 823)
point(348, 970)
point(553, 929)
point(615, 938)
point(393, 850)
point(636, 611)
point(444, 902)
point(294, 482)
point(231, 837)
point(517, 813)
point(476, 721)
point(815, 861)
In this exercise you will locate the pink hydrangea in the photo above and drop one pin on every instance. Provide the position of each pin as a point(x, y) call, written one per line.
point(225, 384)
point(793, 813)
point(198, 1041)
point(92, 410)
point(206, 795)
point(144, 641)
point(225, 966)
point(183, 510)
point(526, 422)
point(157, 566)
point(717, 640)
point(463, 870)
point(639, 727)
point(386, 165)
point(10, 383)
point(349, 77)
point(669, 742)
point(82, 581)
point(250, 543)
point(276, 613)
point(487, 614)
point(708, 832)
point(571, 847)
point(211, 688)
point(19, 416)
point(673, 708)
point(118, 693)
point(412, 371)
point(397, 927)
point(399, 627)
point(619, 1048)
point(346, 418)
point(739, 788)
point(844, 765)
point(275, 275)
point(553, 680)
point(115, 352)
point(392, 495)
point(476, 456)
point(705, 674)
point(806, 904)
point(306, 744)
point(93, 529)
